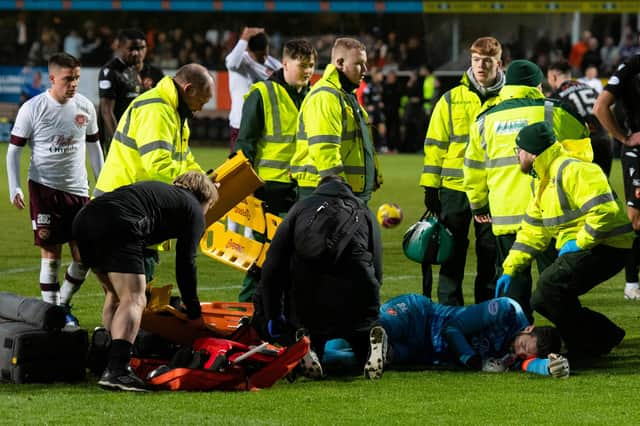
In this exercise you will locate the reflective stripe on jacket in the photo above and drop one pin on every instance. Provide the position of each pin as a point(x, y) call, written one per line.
point(151, 142)
point(329, 138)
point(277, 145)
point(572, 200)
point(492, 176)
point(448, 136)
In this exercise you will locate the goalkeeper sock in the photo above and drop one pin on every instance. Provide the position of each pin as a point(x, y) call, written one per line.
point(49, 286)
point(631, 286)
point(73, 279)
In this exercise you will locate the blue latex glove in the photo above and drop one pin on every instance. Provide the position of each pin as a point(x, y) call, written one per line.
point(502, 285)
point(569, 247)
point(274, 327)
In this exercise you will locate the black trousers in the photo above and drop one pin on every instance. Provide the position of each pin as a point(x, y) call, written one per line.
point(456, 215)
point(522, 282)
point(557, 298)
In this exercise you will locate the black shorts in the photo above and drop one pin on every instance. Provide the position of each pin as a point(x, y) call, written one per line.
point(52, 212)
point(105, 245)
point(630, 159)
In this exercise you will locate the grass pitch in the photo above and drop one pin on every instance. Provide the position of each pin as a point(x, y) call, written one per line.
point(602, 393)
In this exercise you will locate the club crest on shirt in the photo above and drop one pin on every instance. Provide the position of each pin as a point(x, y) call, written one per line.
point(81, 120)
point(493, 307)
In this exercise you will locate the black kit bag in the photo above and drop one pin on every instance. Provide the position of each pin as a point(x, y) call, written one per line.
point(29, 354)
point(329, 228)
point(32, 311)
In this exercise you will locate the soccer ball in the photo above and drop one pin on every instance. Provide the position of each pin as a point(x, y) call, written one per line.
point(389, 215)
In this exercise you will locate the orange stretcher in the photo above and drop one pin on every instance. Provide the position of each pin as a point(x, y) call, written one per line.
point(221, 318)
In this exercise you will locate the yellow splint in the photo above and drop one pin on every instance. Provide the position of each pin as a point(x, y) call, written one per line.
point(234, 249)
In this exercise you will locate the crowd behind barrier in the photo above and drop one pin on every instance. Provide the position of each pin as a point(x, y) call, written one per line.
point(398, 65)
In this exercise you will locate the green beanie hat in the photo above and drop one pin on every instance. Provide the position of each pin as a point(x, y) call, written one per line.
point(535, 138)
point(523, 73)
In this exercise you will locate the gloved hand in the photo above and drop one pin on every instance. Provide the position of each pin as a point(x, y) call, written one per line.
point(502, 285)
point(432, 200)
point(276, 326)
point(569, 247)
point(558, 366)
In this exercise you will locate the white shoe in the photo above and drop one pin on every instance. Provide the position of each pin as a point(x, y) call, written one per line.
point(311, 367)
point(374, 366)
point(632, 293)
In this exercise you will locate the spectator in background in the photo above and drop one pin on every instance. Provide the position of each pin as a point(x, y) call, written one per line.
point(609, 55)
point(22, 39)
point(42, 50)
point(73, 44)
point(430, 86)
point(35, 87)
point(592, 56)
point(91, 45)
point(248, 63)
point(591, 78)
point(119, 82)
point(391, 95)
point(374, 103)
point(629, 47)
point(578, 50)
point(412, 113)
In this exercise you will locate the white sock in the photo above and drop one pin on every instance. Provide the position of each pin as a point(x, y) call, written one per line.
point(631, 286)
point(73, 279)
point(49, 286)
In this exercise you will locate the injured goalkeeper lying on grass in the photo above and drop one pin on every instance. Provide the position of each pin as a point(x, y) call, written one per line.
point(492, 336)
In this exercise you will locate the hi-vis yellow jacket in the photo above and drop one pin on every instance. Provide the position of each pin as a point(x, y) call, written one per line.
point(448, 136)
point(151, 142)
point(278, 142)
point(492, 177)
point(330, 140)
point(572, 200)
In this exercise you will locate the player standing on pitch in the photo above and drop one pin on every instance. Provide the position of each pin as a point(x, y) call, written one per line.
point(60, 127)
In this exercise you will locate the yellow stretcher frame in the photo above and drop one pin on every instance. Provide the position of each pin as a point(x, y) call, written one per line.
point(234, 249)
point(237, 181)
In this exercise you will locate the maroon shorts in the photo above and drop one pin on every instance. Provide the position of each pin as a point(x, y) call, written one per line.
point(52, 213)
point(233, 137)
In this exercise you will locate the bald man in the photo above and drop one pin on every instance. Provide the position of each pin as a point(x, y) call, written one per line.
point(151, 141)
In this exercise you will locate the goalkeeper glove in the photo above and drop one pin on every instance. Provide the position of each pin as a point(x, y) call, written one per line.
point(558, 366)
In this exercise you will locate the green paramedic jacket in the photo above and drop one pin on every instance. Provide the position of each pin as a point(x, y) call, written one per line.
point(572, 200)
point(492, 177)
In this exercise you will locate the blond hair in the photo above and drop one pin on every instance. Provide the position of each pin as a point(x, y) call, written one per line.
point(343, 45)
point(199, 184)
point(487, 46)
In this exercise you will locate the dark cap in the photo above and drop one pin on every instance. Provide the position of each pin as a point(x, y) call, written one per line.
point(535, 138)
point(523, 73)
